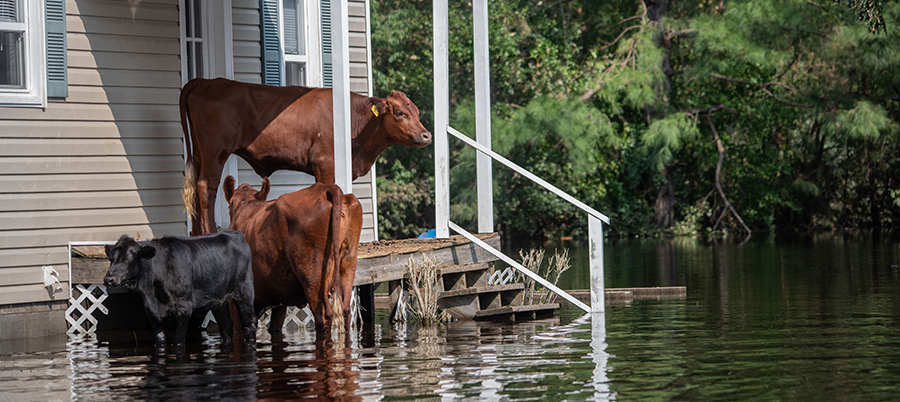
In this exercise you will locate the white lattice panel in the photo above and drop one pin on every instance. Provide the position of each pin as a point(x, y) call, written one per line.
point(84, 301)
point(503, 277)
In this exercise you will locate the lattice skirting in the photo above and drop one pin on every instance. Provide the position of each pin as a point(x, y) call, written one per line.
point(84, 301)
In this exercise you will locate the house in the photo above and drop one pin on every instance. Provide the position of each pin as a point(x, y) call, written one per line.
point(91, 145)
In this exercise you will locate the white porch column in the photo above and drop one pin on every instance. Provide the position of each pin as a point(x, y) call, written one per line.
point(441, 118)
point(483, 116)
point(598, 291)
point(343, 173)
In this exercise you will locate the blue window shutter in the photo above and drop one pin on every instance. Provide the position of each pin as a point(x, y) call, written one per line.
point(57, 68)
point(327, 70)
point(272, 59)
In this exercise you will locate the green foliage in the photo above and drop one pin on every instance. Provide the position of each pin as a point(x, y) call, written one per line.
point(598, 98)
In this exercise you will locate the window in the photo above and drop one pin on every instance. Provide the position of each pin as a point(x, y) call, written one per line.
point(22, 64)
point(193, 38)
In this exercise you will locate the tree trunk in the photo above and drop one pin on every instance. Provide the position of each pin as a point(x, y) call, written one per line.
point(664, 207)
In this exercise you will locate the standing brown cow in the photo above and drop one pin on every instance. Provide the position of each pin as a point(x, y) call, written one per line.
point(296, 242)
point(275, 128)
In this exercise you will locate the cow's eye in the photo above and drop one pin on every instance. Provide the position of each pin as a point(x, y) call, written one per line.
point(398, 114)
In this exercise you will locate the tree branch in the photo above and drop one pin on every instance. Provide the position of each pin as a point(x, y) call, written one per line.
point(762, 87)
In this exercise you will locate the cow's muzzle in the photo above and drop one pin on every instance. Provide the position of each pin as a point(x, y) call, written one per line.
point(423, 139)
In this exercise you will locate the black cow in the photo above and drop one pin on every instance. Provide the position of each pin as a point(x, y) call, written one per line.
point(178, 276)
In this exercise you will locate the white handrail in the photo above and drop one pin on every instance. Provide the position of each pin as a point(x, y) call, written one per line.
point(520, 268)
point(528, 174)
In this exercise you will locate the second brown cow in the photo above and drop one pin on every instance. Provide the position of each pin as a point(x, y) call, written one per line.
point(296, 242)
point(274, 128)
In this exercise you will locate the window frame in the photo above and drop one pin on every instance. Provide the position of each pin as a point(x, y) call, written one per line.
point(34, 94)
point(312, 30)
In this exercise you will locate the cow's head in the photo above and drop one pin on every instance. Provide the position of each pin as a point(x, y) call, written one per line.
point(242, 195)
point(126, 261)
point(401, 119)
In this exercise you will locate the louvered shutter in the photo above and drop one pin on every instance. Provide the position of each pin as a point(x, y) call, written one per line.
point(327, 70)
point(57, 71)
point(272, 61)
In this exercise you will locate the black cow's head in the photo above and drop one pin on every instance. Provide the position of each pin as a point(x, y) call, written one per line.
point(126, 260)
point(401, 119)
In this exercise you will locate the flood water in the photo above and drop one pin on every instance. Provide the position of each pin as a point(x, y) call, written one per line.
point(815, 318)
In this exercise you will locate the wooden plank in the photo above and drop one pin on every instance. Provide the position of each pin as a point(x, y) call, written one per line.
point(33, 293)
point(29, 275)
point(124, 10)
point(245, 16)
point(89, 200)
point(253, 78)
point(89, 270)
point(124, 44)
point(124, 78)
point(89, 129)
point(123, 27)
point(124, 95)
point(246, 33)
point(392, 267)
point(91, 182)
point(124, 61)
point(91, 164)
point(358, 39)
point(39, 256)
point(43, 148)
point(481, 289)
point(43, 237)
point(516, 309)
point(246, 49)
point(13, 221)
point(92, 112)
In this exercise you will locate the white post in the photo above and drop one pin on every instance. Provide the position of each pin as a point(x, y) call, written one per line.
point(598, 292)
point(343, 173)
point(441, 118)
point(483, 116)
point(600, 357)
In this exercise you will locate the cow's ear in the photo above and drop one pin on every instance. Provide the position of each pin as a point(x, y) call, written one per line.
point(378, 106)
point(263, 192)
point(108, 248)
point(146, 252)
point(228, 188)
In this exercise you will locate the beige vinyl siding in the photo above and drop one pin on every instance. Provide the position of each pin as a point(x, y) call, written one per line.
point(105, 161)
point(247, 50)
point(246, 29)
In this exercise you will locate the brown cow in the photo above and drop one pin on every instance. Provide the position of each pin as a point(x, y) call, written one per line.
point(275, 128)
point(292, 240)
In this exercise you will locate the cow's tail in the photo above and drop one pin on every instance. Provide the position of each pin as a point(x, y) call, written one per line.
point(337, 304)
point(189, 187)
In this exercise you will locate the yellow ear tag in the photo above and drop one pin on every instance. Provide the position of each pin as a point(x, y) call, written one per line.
point(375, 111)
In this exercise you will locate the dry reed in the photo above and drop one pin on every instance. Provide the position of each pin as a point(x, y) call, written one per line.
point(424, 290)
point(533, 260)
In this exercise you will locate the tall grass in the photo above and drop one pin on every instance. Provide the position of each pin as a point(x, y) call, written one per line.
point(533, 260)
point(424, 290)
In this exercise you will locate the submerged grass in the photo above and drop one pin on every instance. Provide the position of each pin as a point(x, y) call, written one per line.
point(533, 260)
point(425, 288)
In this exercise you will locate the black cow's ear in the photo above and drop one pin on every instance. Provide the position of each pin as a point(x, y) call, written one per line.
point(108, 248)
point(228, 187)
point(377, 105)
point(146, 252)
point(263, 190)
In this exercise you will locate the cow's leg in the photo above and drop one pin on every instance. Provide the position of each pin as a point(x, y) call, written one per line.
point(321, 310)
point(223, 318)
point(181, 327)
point(207, 186)
point(248, 320)
point(159, 336)
point(276, 323)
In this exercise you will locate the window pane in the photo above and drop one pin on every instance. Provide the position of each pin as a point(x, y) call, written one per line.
point(198, 58)
point(12, 59)
point(294, 31)
point(198, 26)
point(190, 62)
point(295, 74)
point(9, 11)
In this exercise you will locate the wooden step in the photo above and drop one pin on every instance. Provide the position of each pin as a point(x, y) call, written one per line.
point(518, 313)
point(456, 277)
point(464, 303)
